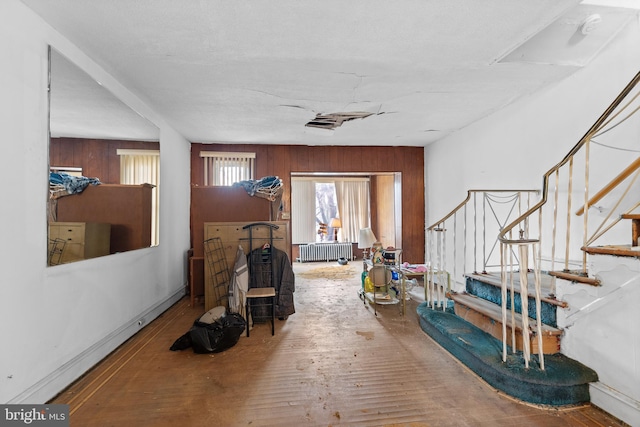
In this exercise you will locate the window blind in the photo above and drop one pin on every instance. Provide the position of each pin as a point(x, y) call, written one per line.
point(226, 168)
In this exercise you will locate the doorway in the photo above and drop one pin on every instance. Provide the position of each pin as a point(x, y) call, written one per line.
point(378, 207)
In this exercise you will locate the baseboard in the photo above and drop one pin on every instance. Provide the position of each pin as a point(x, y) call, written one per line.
point(49, 386)
point(615, 403)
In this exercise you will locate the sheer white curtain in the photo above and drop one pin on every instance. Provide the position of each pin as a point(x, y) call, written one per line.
point(303, 211)
point(143, 167)
point(353, 206)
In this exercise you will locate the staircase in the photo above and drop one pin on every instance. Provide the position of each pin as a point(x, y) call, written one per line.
point(481, 304)
point(469, 324)
point(470, 328)
point(533, 306)
point(564, 382)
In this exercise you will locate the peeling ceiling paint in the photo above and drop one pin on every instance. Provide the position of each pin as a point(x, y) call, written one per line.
point(256, 72)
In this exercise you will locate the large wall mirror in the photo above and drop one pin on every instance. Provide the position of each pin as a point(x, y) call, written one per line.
point(104, 170)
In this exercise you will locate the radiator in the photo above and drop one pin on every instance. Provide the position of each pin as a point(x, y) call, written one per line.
point(325, 251)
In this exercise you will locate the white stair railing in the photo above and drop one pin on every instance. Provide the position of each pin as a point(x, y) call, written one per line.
point(491, 210)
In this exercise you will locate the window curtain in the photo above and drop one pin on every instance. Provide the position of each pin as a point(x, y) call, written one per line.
point(303, 211)
point(353, 207)
point(143, 167)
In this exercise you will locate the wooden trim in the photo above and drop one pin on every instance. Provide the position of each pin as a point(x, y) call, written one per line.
point(616, 250)
point(635, 228)
point(196, 278)
point(136, 152)
point(228, 154)
point(575, 277)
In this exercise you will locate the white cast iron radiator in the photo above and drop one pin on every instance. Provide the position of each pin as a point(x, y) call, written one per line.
point(325, 251)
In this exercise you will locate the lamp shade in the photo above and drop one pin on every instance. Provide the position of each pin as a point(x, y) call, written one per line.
point(335, 223)
point(366, 238)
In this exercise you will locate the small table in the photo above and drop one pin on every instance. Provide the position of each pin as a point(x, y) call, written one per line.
point(411, 272)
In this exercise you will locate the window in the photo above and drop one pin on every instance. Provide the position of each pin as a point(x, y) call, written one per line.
point(326, 208)
point(143, 167)
point(225, 168)
point(316, 201)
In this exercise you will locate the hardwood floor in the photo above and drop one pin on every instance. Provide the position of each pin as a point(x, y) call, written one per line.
point(331, 363)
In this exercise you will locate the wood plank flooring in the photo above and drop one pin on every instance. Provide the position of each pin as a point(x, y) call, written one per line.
point(332, 363)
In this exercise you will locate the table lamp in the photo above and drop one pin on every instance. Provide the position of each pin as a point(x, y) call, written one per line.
point(335, 224)
point(366, 239)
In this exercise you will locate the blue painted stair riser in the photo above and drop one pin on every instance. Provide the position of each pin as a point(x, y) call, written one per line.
point(493, 294)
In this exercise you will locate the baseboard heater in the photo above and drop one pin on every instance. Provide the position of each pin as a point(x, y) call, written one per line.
point(325, 251)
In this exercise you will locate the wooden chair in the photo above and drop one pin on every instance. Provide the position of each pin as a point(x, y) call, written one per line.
point(262, 267)
point(268, 298)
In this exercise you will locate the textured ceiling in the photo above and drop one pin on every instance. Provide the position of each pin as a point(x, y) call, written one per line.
point(257, 72)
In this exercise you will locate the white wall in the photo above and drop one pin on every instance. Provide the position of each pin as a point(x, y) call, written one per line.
point(512, 149)
point(515, 147)
point(601, 329)
point(55, 323)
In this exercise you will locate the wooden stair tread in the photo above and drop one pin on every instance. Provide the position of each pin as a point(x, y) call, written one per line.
point(494, 312)
point(495, 280)
point(616, 250)
point(575, 277)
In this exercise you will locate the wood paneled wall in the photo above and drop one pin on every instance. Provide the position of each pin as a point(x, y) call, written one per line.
point(282, 160)
point(126, 207)
point(236, 206)
point(97, 157)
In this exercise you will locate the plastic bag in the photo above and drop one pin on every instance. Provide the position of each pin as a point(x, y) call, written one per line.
point(214, 337)
point(368, 284)
point(218, 336)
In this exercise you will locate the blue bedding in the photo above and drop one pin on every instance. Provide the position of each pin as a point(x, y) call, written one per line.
point(72, 184)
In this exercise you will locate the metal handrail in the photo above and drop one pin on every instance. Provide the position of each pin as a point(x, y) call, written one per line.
point(587, 136)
